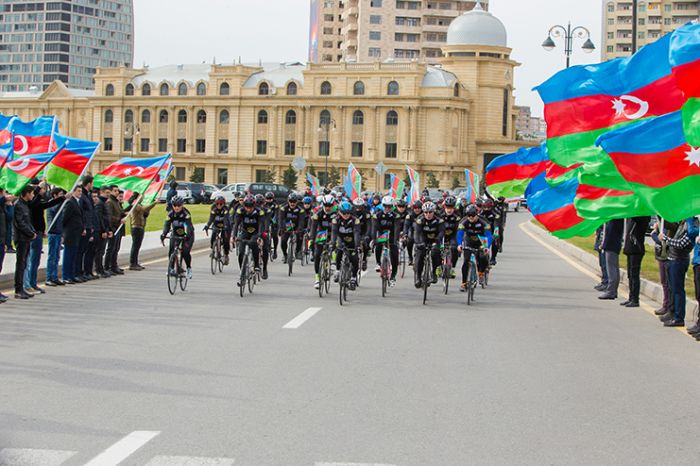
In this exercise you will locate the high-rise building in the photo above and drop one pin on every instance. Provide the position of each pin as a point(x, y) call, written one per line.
point(41, 42)
point(377, 30)
point(654, 19)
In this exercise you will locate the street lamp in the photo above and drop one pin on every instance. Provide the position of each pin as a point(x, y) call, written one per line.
point(131, 131)
point(568, 34)
point(326, 126)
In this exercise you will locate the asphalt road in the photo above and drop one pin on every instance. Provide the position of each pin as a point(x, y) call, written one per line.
point(537, 372)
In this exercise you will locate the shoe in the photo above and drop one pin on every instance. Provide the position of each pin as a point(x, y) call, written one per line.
point(378, 268)
point(105, 275)
point(600, 287)
point(284, 260)
point(632, 304)
point(317, 284)
point(97, 277)
point(189, 273)
point(364, 266)
point(410, 263)
point(353, 284)
point(697, 337)
point(418, 284)
point(695, 329)
point(660, 311)
point(434, 279)
point(85, 278)
point(667, 317)
point(625, 303)
point(3, 298)
point(11, 250)
point(674, 323)
point(265, 276)
point(50, 283)
point(117, 271)
point(78, 280)
point(23, 295)
point(463, 287)
point(59, 283)
point(336, 277)
point(438, 273)
point(607, 296)
point(39, 290)
point(69, 282)
point(392, 282)
point(135, 268)
point(226, 259)
point(274, 255)
point(493, 262)
point(453, 274)
point(481, 278)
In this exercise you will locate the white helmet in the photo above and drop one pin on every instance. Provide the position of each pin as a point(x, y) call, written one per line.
point(319, 199)
point(358, 202)
point(328, 200)
point(388, 201)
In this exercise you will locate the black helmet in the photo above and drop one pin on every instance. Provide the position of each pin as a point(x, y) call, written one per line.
point(249, 201)
point(417, 204)
point(237, 195)
point(450, 201)
point(472, 211)
point(401, 203)
point(377, 196)
point(293, 197)
point(177, 200)
point(219, 199)
point(270, 196)
point(259, 199)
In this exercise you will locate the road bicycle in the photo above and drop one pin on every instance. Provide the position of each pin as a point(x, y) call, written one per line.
point(306, 250)
point(217, 253)
point(325, 271)
point(360, 260)
point(385, 267)
point(447, 267)
point(403, 257)
point(177, 272)
point(291, 251)
point(427, 277)
point(470, 255)
point(249, 276)
point(345, 275)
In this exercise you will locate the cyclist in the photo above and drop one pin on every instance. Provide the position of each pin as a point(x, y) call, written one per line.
point(261, 204)
point(321, 230)
point(385, 231)
point(273, 225)
point(361, 212)
point(375, 203)
point(409, 227)
point(221, 220)
point(346, 234)
point(236, 202)
point(248, 228)
point(451, 221)
point(501, 211)
point(179, 221)
point(471, 229)
point(429, 230)
point(291, 220)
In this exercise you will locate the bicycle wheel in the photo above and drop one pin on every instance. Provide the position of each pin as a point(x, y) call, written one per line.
point(172, 274)
point(470, 287)
point(182, 272)
point(446, 274)
point(244, 275)
point(385, 274)
point(403, 261)
point(214, 260)
point(291, 249)
point(327, 277)
point(322, 275)
point(427, 269)
point(360, 259)
point(220, 254)
point(251, 280)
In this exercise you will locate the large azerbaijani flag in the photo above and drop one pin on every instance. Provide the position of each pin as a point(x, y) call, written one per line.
point(71, 162)
point(131, 173)
point(314, 184)
point(659, 164)
point(19, 171)
point(397, 187)
point(353, 183)
point(473, 183)
point(685, 53)
point(153, 191)
point(6, 152)
point(34, 137)
point(508, 175)
point(4, 131)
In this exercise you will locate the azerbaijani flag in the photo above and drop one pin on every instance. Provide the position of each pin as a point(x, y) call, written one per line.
point(685, 55)
point(413, 195)
point(18, 172)
point(384, 237)
point(7, 151)
point(414, 176)
point(4, 131)
point(397, 187)
point(313, 184)
point(659, 164)
point(472, 185)
point(509, 174)
point(131, 173)
point(353, 183)
point(594, 203)
point(71, 162)
point(322, 236)
point(156, 186)
point(556, 174)
point(34, 137)
point(553, 207)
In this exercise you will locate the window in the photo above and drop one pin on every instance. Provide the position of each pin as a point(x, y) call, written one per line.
point(163, 117)
point(146, 116)
point(145, 144)
point(146, 89)
point(358, 88)
point(222, 175)
point(506, 107)
point(224, 117)
point(201, 89)
point(262, 117)
point(375, 52)
point(182, 116)
point(179, 173)
point(291, 118)
point(128, 144)
point(200, 146)
point(358, 118)
point(668, 7)
point(182, 89)
point(162, 145)
point(392, 118)
point(611, 7)
point(109, 90)
point(325, 88)
point(224, 89)
point(292, 89)
point(390, 151)
point(456, 90)
point(109, 116)
point(375, 35)
point(357, 149)
point(290, 147)
point(181, 145)
point(261, 147)
point(392, 88)
point(164, 89)
point(324, 148)
point(107, 146)
point(262, 176)
point(201, 116)
point(375, 19)
point(129, 89)
point(264, 89)
point(387, 181)
point(223, 146)
point(128, 116)
point(611, 49)
point(325, 118)
point(376, 3)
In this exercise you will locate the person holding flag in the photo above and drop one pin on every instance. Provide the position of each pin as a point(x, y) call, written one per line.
point(139, 217)
point(24, 234)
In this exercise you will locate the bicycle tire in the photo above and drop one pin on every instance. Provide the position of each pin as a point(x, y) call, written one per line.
point(214, 261)
point(446, 274)
point(469, 284)
point(360, 259)
point(251, 279)
point(291, 250)
point(403, 261)
point(220, 255)
point(243, 279)
point(385, 274)
point(427, 268)
point(327, 278)
point(182, 272)
point(172, 277)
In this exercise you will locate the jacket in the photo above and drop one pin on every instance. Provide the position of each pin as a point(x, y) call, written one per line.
point(139, 215)
point(37, 206)
point(101, 213)
point(87, 207)
point(57, 227)
point(114, 212)
point(683, 241)
point(73, 225)
point(696, 249)
point(661, 250)
point(634, 236)
point(23, 228)
point(3, 220)
point(612, 236)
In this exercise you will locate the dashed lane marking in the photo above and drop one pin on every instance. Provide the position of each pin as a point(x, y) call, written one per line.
point(299, 320)
point(189, 461)
point(124, 448)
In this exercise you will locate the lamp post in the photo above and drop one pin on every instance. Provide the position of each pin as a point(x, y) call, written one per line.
point(326, 126)
point(569, 35)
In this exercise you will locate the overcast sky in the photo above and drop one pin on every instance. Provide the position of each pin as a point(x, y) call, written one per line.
point(187, 31)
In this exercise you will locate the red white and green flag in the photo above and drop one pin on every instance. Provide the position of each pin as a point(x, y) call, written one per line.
point(353, 183)
point(154, 189)
point(71, 162)
point(19, 171)
point(397, 187)
point(33, 137)
point(473, 183)
point(131, 173)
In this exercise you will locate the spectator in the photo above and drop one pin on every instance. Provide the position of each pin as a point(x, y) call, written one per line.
point(172, 192)
point(37, 207)
point(4, 199)
point(9, 216)
point(679, 248)
point(661, 255)
point(695, 330)
point(91, 254)
point(73, 231)
point(115, 212)
point(54, 216)
point(634, 249)
point(612, 245)
point(104, 233)
point(601, 260)
point(86, 249)
point(139, 217)
point(24, 233)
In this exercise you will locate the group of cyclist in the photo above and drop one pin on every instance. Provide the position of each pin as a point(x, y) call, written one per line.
point(444, 226)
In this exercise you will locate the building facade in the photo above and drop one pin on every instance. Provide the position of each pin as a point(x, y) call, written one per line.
point(528, 127)
point(378, 30)
point(42, 42)
point(238, 122)
point(654, 19)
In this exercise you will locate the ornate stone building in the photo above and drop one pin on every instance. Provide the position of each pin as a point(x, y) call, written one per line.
point(234, 122)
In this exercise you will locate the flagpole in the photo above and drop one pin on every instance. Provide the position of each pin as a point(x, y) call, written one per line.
point(53, 130)
point(75, 185)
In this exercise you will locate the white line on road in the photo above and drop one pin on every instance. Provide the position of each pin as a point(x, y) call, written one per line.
point(33, 457)
point(353, 464)
point(189, 461)
point(123, 448)
point(299, 320)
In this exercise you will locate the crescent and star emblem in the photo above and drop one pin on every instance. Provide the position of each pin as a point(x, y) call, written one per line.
point(19, 164)
point(25, 144)
point(620, 107)
point(135, 171)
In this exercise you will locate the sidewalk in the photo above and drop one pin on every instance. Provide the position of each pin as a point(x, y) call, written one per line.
point(151, 249)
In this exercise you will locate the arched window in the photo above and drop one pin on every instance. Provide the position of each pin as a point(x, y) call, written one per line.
point(129, 89)
point(109, 116)
point(264, 89)
point(164, 89)
point(201, 116)
point(182, 116)
point(224, 117)
point(262, 117)
point(146, 89)
point(326, 88)
point(182, 89)
point(392, 118)
point(456, 90)
point(358, 88)
point(146, 116)
point(291, 118)
point(392, 88)
point(224, 89)
point(201, 89)
point(325, 118)
point(109, 90)
point(358, 118)
point(128, 116)
point(292, 89)
point(163, 116)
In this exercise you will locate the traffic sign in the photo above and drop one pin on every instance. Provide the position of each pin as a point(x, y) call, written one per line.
point(381, 168)
point(299, 163)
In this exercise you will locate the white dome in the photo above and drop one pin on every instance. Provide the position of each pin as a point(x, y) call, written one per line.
point(477, 27)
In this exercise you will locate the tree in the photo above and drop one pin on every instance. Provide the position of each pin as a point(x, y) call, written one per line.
point(267, 177)
point(311, 170)
point(431, 180)
point(290, 178)
point(333, 178)
point(197, 175)
point(456, 182)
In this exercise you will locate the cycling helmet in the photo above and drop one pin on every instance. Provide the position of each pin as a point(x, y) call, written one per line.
point(328, 200)
point(488, 203)
point(308, 200)
point(418, 204)
point(479, 202)
point(377, 196)
point(293, 197)
point(219, 199)
point(445, 194)
point(270, 196)
point(238, 195)
point(358, 202)
point(388, 201)
point(259, 199)
point(450, 202)
point(345, 207)
point(401, 203)
point(326, 191)
point(429, 207)
point(472, 211)
point(249, 201)
point(177, 200)
point(319, 199)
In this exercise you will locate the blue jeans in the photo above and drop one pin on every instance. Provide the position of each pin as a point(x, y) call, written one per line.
point(35, 250)
point(603, 268)
point(677, 270)
point(54, 254)
point(70, 256)
point(9, 215)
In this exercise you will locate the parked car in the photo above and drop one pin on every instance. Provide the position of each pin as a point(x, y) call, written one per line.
point(281, 192)
point(184, 193)
point(201, 193)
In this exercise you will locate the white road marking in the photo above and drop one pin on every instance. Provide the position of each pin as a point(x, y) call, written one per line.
point(299, 320)
point(32, 457)
point(123, 448)
point(189, 461)
point(353, 464)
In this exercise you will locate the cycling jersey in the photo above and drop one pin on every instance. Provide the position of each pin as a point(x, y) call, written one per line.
point(469, 232)
point(249, 225)
point(451, 223)
point(291, 218)
point(322, 226)
point(383, 223)
point(181, 224)
point(429, 231)
point(219, 218)
point(346, 232)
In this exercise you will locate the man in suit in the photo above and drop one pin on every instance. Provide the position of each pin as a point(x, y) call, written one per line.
point(73, 231)
point(24, 234)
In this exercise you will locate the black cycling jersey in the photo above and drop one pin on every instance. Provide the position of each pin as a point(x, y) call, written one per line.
point(291, 218)
point(219, 218)
point(181, 224)
point(346, 232)
point(429, 231)
point(249, 225)
point(471, 231)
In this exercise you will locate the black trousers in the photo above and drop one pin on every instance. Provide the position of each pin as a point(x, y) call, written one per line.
point(79, 260)
point(136, 242)
point(100, 245)
point(89, 257)
point(393, 256)
point(634, 269)
point(22, 247)
point(696, 274)
point(113, 245)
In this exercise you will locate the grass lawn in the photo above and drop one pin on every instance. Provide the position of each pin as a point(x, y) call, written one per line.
point(156, 219)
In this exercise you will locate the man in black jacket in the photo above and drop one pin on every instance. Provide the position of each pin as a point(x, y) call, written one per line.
point(73, 231)
point(24, 233)
point(634, 250)
point(86, 250)
point(37, 206)
point(102, 233)
point(612, 245)
point(4, 198)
